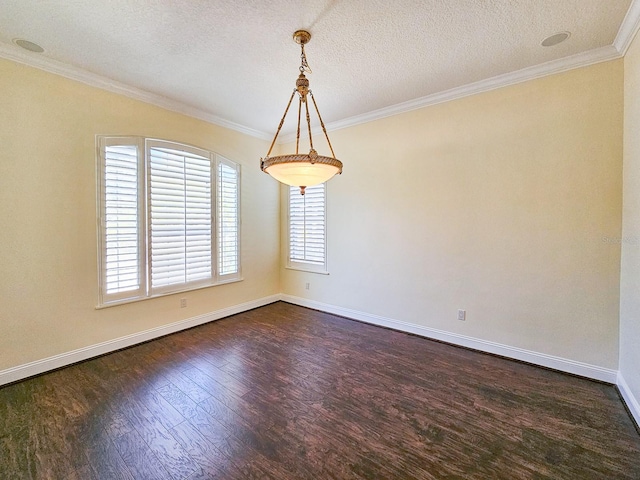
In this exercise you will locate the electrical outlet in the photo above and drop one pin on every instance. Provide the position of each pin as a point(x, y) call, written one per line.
point(306, 286)
point(462, 315)
point(183, 303)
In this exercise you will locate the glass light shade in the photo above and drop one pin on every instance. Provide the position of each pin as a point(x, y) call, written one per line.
point(298, 171)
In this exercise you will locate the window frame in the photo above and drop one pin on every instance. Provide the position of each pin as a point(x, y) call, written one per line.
point(145, 290)
point(301, 265)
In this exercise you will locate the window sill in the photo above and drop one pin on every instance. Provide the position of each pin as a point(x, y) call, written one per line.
point(124, 301)
point(307, 269)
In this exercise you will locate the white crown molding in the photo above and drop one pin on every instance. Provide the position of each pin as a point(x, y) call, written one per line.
point(632, 402)
point(579, 60)
point(628, 28)
point(27, 370)
point(19, 55)
point(541, 359)
point(626, 33)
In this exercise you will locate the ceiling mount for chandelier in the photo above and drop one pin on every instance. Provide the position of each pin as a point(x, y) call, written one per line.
point(300, 169)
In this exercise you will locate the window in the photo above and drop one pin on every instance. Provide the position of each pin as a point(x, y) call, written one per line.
point(169, 218)
point(307, 229)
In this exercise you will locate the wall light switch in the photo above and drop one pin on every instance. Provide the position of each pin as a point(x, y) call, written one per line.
point(462, 315)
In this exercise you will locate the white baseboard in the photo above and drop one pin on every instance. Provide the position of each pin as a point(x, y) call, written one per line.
point(21, 372)
point(541, 359)
point(632, 402)
point(558, 363)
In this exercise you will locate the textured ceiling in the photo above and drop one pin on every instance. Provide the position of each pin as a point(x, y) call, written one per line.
point(236, 61)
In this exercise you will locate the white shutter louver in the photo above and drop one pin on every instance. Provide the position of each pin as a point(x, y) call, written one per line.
point(228, 218)
point(180, 236)
point(120, 220)
point(307, 225)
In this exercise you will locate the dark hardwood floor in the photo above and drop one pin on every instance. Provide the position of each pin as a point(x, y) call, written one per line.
point(282, 392)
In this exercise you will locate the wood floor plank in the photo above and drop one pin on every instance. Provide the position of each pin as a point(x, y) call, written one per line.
point(139, 458)
point(82, 472)
point(230, 382)
point(55, 457)
point(147, 399)
point(284, 392)
point(178, 400)
point(212, 461)
point(213, 387)
point(235, 425)
point(156, 436)
point(105, 461)
point(17, 407)
point(188, 386)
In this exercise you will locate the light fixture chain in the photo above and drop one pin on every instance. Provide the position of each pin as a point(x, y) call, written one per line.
point(309, 125)
point(322, 123)
point(281, 122)
point(298, 131)
point(304, 66)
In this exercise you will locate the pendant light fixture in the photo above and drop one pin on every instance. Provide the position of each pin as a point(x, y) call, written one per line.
point(302, 169)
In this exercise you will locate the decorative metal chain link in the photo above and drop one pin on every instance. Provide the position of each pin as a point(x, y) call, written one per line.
point(304, 66)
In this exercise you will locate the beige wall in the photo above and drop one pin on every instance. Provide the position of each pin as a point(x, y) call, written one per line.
point(506, 204)
point(48, 253)
point(630, 275)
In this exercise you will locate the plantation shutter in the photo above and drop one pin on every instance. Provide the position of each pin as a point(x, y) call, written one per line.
point(180, 224)
point(120, 213)
point(228, 217)
point(307, 225)
point(168, 218)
